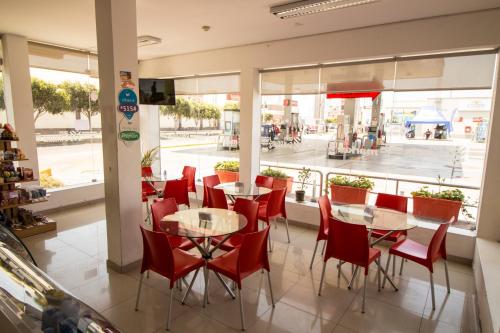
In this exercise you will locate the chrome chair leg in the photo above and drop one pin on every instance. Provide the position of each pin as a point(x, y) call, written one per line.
point(401, 268)
point(432, 292)
point(270, 287)
point(394, 266)
point(190, 287)
point(269, 239)
point(287, 233)
point(339, 267)
point(170, 309)
point(323, 249)
point(447, 276)
point(353, 278)
point(240, 296)
point(322, 278)
point(205, 297)
point(364, 295)
point(139, 293)
point(314, 254)
point(386, 270)
point(378, 274)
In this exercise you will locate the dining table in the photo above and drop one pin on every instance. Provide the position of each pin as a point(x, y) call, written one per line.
point(376, 218)
point(239, 189)
point(205, 224)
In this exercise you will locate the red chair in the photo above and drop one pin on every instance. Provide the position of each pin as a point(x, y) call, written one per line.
point(189, 173)
point(424, 255)
point(161, 209)
point(400, 204)
point(177, 189)
point(274, 209)
point(325, 212)
point(162, 258)
point(147, 189)
point(241, 262)
point(349, 243)
point(209, 181)
point(264, 181)
point(249, 209)
point(217, 198)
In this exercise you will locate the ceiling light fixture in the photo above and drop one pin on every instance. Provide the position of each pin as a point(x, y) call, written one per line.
point(146, 40)
point(306, 7)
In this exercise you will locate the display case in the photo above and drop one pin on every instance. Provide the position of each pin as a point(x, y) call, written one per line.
point(30, 301)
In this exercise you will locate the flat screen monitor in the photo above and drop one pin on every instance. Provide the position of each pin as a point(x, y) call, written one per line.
point(156, 91)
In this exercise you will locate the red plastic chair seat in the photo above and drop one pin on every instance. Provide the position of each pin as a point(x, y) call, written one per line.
point(410, 250)
point(185, 262)
point(232, 243)
point(394, 237)
point(226, 265)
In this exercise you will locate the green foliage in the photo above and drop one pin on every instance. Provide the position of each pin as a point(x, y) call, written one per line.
point(330, 120)
point(48, 98)
point(149, 157)
point(80, 100)
point(232, 106)
point(304, 175)
point(189, 109)
point(274, 173)
point(453, 194)
point(228, 166)
point(359, 182)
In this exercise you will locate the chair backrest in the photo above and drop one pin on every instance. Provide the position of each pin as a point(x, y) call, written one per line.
point(325, 212)
point(249, 209)
point(276, 203)
point(347, 242)
point(162, 208)
point(264, 181)
point(209, 181)
point(216, 198)
point(437, 246)
point(189, 173)
point(392, 201)
point(253, 253)
point(147, 189)
point(157, 255)
point(177, 189)
point(146, 172)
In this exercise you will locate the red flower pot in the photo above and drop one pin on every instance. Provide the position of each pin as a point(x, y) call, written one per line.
point(436, 209)
point(282, 183)
point(348, 194)
point(228, 176)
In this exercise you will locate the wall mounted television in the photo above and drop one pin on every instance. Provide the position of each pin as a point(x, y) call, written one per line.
point(156, 91)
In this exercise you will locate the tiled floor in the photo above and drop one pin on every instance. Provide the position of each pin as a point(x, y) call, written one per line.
point(75, 257)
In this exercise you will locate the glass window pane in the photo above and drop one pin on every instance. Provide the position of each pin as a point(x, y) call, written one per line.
point(451, 72)
point(376, 76)
point(288, 82)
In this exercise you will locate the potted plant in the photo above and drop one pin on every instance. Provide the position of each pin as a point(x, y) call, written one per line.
point(441, 205)
point(228, 171)
point(280, 179)
point(347, 191)
point(148, 158)
point(304, 176)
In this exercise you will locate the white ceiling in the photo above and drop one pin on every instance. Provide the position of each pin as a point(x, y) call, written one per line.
point(234, 22)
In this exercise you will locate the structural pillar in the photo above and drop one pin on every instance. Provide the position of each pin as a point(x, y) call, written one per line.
point(117, 48)
point(488, 218)
point(18, 97)
point(250, 103)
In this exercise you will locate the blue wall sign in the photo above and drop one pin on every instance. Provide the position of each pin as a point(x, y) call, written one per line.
point(127, 96)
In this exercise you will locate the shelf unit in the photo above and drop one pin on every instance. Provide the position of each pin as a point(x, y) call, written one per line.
point(13, 210)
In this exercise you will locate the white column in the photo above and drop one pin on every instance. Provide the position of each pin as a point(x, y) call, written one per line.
point(150, 132)
point(117, 48)
point(18, 98)
point(489, 208)
point(249, 125)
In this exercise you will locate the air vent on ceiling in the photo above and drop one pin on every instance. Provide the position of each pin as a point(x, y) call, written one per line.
point(306, 7)
point(147, 40)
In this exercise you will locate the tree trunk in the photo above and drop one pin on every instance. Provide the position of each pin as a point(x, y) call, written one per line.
point(179, 123)
point(201, 124)
point(89, 116)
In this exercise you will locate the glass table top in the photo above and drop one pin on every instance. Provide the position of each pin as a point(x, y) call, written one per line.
point(203, 222)
point(375, 218)
point(242, 190)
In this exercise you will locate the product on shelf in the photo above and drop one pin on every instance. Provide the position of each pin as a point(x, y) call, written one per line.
point(8, 133)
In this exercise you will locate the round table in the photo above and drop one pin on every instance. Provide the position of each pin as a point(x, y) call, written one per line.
point(375, 218)
point(238, 189)
point(204, 223)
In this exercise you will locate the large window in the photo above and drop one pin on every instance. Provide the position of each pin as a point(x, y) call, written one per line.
point(203, 127)
point(403, 122)
point(66, 114)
